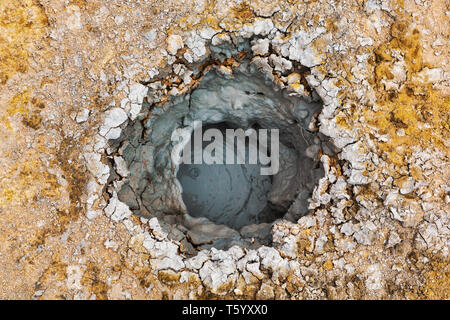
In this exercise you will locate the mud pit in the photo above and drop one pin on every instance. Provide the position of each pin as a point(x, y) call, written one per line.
point(84, 84)
point(221, 205)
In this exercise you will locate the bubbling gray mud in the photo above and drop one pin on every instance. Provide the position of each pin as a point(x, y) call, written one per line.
point(243, 99)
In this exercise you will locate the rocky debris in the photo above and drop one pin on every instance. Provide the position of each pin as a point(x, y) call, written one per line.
point(117, 210)
point(393, 239)
point(260, 47)
point(208, 233)
point(113, 119)
point(174, 43)
point(137, 94)
point(82, 116)
point(96, 167)
point(266, 292)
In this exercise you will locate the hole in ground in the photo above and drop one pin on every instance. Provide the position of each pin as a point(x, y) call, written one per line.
point(219, 216)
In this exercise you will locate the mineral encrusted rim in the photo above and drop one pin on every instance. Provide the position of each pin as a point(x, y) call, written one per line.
point(215, 267)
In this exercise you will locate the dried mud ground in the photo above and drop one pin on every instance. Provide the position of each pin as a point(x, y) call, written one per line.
point(381, 234)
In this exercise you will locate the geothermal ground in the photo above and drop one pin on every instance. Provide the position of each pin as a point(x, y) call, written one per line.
point(93, 204)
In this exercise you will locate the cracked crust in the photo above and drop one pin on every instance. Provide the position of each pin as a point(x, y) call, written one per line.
point(380, 224)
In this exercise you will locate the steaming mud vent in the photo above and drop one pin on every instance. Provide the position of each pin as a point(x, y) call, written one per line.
point(219, 205)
